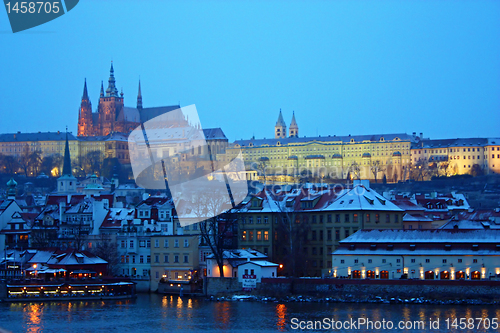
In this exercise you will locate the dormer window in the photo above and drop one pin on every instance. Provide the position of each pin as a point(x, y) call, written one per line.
point(307, 204)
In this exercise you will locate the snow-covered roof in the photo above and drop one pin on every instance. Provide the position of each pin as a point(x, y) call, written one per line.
point(468, 224)
point(423, 236)
point(241, 254)
point(57, 257)
point(362, 198)
point(262, 263)
point(416, 218)
point(417, 252)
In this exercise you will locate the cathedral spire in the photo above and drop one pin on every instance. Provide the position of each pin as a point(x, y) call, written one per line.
point(294, 128)
point(85, 93)
point(280, 121)
point(102, 90)
point(111, 91)
point(280, 128)
point(67, 159)
point(139, 97)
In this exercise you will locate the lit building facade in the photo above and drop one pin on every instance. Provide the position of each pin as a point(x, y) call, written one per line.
point(419, 254)
point(460, 154)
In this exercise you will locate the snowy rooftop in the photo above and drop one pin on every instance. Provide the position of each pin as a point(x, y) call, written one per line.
point(423, 236)
point(241, 254)
point(362, 198)
point(262, 263)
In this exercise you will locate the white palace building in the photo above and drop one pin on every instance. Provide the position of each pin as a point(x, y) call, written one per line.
point(420, 254)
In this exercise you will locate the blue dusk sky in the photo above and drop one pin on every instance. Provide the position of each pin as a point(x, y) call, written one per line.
point(345, 67)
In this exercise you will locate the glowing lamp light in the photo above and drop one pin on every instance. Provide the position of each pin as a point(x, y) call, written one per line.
point(281, 266)
point(35, 265)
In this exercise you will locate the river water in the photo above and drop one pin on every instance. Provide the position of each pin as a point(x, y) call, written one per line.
point(157, 313)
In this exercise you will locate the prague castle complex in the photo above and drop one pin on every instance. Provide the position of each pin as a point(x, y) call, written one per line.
point(284, 157)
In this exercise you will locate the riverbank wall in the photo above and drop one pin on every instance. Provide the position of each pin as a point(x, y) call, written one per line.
point(3, 289)
point(361, 289)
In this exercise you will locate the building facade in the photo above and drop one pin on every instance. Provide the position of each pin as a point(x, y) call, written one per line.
point(419, 254)
point(319, 220)
point(458, 156)
point(334, 157)
point(174, 258)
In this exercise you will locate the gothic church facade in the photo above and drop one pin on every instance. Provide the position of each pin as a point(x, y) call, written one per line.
point(112, 115)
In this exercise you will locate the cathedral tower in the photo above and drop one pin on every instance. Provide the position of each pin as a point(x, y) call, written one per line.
point(294, 128)
point(110, 106)
point(280, 128)
point(85, 126)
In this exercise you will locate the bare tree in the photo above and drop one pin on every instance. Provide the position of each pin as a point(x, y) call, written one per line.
point(293, 229)
point(476, 170)
point(376, 167)
point(24, 159)
point(50, 162)
point(421, 170)
point(92, 162)
point(445, 169)
point(43, 234)
point(10, 164)
point(35, 161)
point(216, 228)
point(261, 168)
point(355, 170)
point(433, 170)
point(108, 250)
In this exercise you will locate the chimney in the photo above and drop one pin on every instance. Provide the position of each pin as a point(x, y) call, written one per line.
point(421, 136)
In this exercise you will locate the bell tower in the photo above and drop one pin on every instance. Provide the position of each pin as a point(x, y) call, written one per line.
point(294, 128)
point(280, 128)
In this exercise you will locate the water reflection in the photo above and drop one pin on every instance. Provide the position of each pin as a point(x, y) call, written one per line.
point(174, 314)
point(222, 314)
point(33, 313)
point(281, 314)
